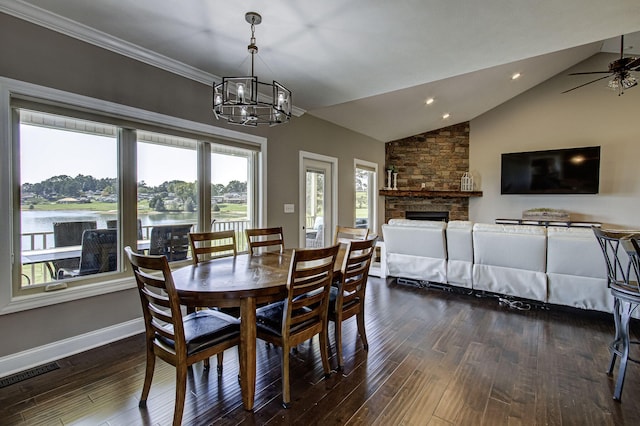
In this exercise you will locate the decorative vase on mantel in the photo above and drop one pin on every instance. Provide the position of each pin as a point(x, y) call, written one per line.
point(466, 183)
point(388, 186)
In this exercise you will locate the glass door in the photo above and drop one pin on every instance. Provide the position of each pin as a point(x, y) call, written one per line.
point(317, 203)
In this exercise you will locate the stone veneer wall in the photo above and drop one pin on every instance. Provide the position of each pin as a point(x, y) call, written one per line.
point(438, 159)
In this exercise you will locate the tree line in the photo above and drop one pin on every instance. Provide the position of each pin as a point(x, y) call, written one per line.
point(63, 186)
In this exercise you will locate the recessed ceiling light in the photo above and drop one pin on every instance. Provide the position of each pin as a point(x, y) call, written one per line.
point(430, 101)
point(445, 115)
point(515, 76)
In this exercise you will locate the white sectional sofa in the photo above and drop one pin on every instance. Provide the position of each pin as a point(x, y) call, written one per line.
point(575, 266)
point(416, 249)
point(555, 265)
point(511, 260)
point(459, 253)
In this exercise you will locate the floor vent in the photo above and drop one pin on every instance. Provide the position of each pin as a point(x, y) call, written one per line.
point(27, 374)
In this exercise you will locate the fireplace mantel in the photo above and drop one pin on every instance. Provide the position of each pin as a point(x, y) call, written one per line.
point(429, 194)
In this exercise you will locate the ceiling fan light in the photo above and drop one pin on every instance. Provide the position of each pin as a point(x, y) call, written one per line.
point(629, 82)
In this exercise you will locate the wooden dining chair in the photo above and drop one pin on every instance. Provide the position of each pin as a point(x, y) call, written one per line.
point(264, 237)
point(212, 244)
point(347, 298)
point(303, 314)
point(344, 234)
point(178, 340)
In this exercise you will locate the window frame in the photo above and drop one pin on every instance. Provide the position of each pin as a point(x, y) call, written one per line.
point(373, 193)
point(9, 182)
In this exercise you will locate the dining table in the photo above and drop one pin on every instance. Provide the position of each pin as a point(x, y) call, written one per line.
point(246, 281)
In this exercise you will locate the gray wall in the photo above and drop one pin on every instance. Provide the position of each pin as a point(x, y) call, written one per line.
point(40, 56)
point(544, 118)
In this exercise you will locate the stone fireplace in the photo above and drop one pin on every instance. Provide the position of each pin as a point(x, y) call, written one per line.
point(429, 166)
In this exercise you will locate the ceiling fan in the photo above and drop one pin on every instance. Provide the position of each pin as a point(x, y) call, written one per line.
point(619, 72)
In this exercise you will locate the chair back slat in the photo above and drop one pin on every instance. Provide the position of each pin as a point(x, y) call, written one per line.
point(344, 234)
point(264, 237)
point(160, 302)
point(213, 244)
point(310, 277)
point(355, 272)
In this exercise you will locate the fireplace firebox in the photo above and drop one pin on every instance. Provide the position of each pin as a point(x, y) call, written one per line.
point(429, 215)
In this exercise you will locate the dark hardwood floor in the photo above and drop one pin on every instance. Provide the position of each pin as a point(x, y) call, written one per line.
point(435, 358)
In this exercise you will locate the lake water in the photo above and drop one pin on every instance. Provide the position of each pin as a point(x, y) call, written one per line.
point(42, 221)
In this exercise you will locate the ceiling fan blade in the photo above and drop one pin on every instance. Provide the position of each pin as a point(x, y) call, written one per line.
point(582, 85)
point(634, 63)
point(590, 72)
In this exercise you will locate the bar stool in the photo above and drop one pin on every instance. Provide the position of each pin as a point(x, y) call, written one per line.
point(621, 252)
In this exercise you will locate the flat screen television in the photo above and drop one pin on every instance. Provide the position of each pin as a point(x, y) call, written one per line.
point(558, 171)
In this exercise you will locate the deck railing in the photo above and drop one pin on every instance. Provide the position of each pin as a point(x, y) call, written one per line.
point(39, 273)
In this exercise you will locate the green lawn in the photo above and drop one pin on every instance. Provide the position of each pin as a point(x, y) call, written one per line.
point(227, 211)
point(98, 207)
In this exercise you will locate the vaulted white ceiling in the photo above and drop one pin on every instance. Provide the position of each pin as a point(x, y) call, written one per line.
point(367, 65)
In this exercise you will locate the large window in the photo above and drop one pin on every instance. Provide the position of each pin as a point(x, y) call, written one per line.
point(365, 202)
point(232, 194)
point(68, 198)
point(79, 183)
point(167, 193)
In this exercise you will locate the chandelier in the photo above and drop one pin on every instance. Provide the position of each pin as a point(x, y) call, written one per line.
point(238, 100)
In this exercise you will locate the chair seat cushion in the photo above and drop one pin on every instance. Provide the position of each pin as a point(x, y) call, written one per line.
point(632, 289)
point(269, 319)
point(206, 328)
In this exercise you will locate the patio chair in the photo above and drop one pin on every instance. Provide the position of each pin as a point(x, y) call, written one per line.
point(113, 223)
point(171, 241)
point(67, 234)
point(99, 254)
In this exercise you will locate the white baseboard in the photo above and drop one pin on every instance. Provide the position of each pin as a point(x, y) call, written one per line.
point(24, 360)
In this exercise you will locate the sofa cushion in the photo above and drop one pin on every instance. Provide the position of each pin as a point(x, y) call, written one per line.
point(510, 246)
point(459, 253)
point(417, 252)
point(511, 260)
point(575, 251)
point(576, 270)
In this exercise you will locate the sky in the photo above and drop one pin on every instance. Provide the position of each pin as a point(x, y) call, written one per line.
point(47, 152)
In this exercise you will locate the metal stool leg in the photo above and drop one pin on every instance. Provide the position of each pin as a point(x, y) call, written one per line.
point(615, 345)
point(625, 316)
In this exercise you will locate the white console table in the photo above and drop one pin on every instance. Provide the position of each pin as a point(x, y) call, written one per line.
point(379, 263)
point(566, 223)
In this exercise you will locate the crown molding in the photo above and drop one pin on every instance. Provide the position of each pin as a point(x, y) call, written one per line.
point(66, 26)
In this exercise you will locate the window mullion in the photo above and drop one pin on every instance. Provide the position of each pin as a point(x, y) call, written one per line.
point(127, 178)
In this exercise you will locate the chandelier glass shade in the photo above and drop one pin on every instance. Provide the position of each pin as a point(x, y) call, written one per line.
point(246, 100)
